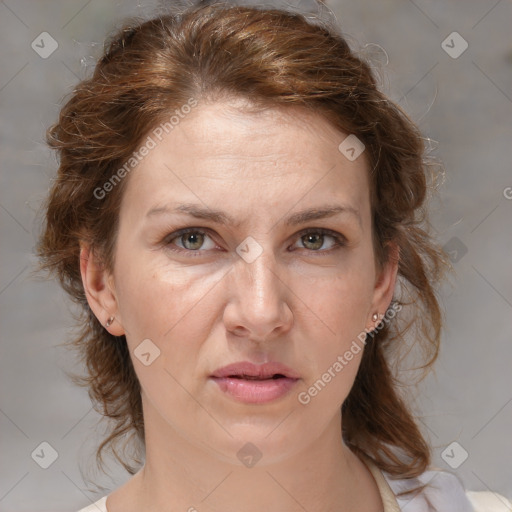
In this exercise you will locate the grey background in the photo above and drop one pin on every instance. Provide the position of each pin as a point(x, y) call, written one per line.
point(463, 104)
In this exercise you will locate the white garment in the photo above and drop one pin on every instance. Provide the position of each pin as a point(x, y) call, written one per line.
point(445, 493)
point(98, 506)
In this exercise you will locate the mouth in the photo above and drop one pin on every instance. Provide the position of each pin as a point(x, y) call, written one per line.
point(255, 384)
point(250, 377)
point(255, 390)
point(250, 371)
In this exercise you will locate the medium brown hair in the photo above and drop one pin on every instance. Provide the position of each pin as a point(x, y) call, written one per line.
point(273, 59)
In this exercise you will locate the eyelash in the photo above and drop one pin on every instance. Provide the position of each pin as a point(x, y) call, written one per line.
point(339, 240)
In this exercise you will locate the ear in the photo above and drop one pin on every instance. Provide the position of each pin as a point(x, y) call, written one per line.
point(99, 290)
point(384, 285)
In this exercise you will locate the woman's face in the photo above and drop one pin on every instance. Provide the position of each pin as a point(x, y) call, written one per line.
point(277, 266)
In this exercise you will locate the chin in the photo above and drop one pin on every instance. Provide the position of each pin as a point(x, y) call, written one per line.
point(253, 445)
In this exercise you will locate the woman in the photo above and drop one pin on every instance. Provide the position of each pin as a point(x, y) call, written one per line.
point(240, 214)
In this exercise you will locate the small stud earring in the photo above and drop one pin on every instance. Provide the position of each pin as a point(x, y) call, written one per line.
point(109, 321)
point(375, 317)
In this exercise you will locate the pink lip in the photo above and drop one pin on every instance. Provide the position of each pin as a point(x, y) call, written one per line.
point(264, 389)
point(255, 391)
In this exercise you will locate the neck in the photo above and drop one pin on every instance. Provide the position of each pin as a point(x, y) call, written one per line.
point(179, 475)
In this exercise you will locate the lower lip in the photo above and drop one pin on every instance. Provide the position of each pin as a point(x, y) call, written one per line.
point(255, 391)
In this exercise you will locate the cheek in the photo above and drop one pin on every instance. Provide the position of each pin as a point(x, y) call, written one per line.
point(334, 340)
point(169, 306)
point(165, 315)
point(333, 349)
point(341, 298)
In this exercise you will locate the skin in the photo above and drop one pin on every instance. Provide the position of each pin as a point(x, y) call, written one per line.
point(301, 302)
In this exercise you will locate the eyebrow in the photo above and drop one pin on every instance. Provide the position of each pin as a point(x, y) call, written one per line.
point(200, 212)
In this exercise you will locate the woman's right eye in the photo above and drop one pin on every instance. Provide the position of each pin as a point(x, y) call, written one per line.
point(191, 240)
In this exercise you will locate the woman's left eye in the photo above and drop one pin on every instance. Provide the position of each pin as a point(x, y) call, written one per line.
point(193, 239)
point(314, 239)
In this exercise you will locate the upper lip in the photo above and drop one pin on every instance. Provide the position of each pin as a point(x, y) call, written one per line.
point(262, 371)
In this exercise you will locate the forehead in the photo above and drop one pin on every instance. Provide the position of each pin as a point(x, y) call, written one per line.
point(227, 130)
point(221, 155)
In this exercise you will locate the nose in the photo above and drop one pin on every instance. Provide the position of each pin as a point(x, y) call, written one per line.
point(257, 305)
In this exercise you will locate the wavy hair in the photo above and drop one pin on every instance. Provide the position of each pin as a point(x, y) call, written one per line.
point(274, 59)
